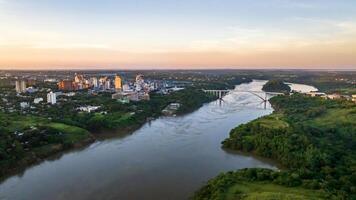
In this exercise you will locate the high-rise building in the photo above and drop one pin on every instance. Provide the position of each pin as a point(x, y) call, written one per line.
point(51, 98)
point(102, 82)
point(66, 85)
point(139, 82)
point(95, 82)
point(78, 78)
point(20, 86)
point(107, 85)
point(118, 83)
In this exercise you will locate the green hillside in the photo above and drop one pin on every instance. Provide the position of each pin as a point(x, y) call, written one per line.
point(313, 138)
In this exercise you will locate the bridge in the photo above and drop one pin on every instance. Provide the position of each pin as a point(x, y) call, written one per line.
point(264, 96)
point(218, 93)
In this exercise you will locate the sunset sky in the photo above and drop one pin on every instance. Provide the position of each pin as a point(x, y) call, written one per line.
point(130, 34)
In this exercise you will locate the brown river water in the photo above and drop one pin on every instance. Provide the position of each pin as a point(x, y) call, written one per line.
point(167, 158)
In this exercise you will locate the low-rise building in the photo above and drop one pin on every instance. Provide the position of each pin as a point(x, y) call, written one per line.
point(316, 94)
point(334, 96)
point(50, 80)
point(144, 96)
point(126, 87)
point(347, 97)
point(88, 109)
point(126, 97)
point(37, 100)
point(171, 109)
point(69, 94)
point(31, 90)
point(24, 105)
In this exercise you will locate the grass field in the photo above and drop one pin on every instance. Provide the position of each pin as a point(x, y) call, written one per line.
point(337, 117)
point(20, 123)
point(268, 191)
point(25, 140)
point(122, 118)
point(273, 121)
point(72, 133)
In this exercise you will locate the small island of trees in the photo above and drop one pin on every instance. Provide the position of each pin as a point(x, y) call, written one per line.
point(276, 86)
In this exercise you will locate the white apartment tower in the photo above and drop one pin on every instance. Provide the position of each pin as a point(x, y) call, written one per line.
point(51, 98)
point(95, 82)
point(107, 85)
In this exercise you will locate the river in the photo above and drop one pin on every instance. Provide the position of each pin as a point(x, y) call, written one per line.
point(168, 158)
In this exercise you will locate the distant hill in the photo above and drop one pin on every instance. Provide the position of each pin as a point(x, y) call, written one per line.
point(276, 86)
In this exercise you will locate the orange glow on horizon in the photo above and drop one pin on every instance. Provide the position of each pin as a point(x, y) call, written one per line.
point(335, 56)
point(181, 34)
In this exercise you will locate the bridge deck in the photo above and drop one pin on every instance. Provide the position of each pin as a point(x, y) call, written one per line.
point(250, 91)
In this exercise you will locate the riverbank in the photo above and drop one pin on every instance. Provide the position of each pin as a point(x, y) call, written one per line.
point(45, 153)
point(253, 183)
point(312, 138)
point(27, 140)
point(153, 159)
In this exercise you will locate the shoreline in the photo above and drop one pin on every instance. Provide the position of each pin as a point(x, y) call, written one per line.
point(57, 150)
point(279, 166)
point(303, 162)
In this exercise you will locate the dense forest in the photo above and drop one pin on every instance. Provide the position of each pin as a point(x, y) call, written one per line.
point(314, 139)
point(115, 115)
point(276, 86)
point(256, 184)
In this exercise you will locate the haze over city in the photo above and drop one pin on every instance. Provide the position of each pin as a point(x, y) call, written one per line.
point(123, 34)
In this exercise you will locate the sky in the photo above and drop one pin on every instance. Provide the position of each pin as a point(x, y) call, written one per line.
point(150, 34)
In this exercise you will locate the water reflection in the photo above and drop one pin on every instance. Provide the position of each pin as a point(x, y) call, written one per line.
point(168, 158)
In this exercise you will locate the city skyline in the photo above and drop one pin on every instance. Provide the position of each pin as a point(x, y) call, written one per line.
point(278, 34)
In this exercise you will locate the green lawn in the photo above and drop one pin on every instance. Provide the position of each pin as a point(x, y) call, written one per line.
point(22, 123)
point(268, 191)
point(36, 138)
point(273, 121)
point(337, 117)
point(72, 133)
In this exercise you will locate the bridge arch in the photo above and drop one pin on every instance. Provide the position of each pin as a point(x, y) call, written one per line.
point(264, 99)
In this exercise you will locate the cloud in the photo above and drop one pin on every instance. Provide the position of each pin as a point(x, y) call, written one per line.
point(297, 33)
point(239, 39)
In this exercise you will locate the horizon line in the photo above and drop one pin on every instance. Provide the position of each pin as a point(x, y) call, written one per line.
point(183, 69)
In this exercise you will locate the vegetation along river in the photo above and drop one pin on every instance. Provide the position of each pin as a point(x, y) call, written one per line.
point(168, 158)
